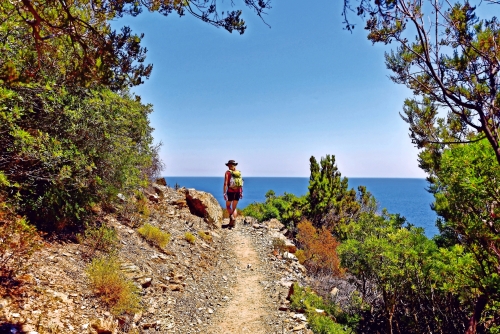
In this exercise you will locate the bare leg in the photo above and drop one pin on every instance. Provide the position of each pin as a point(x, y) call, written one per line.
point(235, 213)
point(228, 208)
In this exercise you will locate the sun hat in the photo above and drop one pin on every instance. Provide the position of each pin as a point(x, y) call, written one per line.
point(232, 162)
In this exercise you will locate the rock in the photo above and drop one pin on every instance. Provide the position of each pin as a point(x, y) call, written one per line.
point(145, 282)
point(256, 226)
point(299, 327)
point(300, 316)
point(153, 197)
point(176, 287)
point(250, 220)
point(283, 307)
point(290, 292)
point(161, 181)
point(121, 197)
point(204, 205)
point(334, 292)
point(319, 311)
point(160, 190)
point(181, 203)
point(273, 223)
point(289, 256)
point(290, 246)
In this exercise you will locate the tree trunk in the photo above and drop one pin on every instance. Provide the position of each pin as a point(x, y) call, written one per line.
point(481, 302)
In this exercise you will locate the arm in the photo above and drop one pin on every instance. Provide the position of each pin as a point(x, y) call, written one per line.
point(226, 181)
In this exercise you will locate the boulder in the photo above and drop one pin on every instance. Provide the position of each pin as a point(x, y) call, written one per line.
point(160, 190)
point(204, 205)
point(273, 224)
point(250, 220)
point(289, 245)
point(161, 181)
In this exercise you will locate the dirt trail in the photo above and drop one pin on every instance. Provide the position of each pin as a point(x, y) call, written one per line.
point(246, 312)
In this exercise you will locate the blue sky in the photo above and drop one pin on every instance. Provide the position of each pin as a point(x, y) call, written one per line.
point(273, 97)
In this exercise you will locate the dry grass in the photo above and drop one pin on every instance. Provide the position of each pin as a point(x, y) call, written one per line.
point(205, 236)
point(279, 245)
point(112, 286)
point(190, 238)
point(154, 235)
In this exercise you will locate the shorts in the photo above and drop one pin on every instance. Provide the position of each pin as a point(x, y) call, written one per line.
point(233, 196)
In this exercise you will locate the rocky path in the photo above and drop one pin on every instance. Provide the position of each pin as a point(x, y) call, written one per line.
point(247, 311)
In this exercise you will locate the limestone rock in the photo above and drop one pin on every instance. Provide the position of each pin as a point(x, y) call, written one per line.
point(289, 256)
point(161, 181)
point(204, 205)
point(274, 224)
point(160, 190)
point(250, 220)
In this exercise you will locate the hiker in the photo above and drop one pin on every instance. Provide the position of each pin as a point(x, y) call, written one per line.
point(233, 190)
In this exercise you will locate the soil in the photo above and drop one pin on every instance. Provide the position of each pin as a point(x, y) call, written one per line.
point(247, 311)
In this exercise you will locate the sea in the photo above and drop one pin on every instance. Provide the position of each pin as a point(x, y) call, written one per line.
point(407, 196)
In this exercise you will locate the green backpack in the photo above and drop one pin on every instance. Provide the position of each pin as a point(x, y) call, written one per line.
point(236, 181)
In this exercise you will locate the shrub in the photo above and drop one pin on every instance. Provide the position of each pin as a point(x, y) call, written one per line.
point(102, 145)
point(319, 249)
point(189, 238)
point(287, 208)
point(305, 300)
point(119, 293)
point(301, 256)
point(154, 235)
point(205, 236)
point(321, 324)
point(102, 238)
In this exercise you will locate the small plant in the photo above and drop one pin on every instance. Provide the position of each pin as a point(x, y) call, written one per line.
point(190, 238)
point(154, 235)
point(279, 245)
point(301, 256)
point(142, 205)
point(205, 236)
point(102, 238)
point(112, 286)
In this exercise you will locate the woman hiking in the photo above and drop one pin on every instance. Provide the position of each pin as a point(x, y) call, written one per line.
point(233, 190)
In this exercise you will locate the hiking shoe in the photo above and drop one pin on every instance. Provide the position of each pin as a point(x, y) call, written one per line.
point(232, 222)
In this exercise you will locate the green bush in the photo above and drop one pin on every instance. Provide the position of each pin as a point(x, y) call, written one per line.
point(78, 147)
point(154, 235)
point(287, 208)
point(305, 300)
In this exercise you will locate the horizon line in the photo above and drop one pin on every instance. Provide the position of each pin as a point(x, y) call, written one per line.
point(306, 177)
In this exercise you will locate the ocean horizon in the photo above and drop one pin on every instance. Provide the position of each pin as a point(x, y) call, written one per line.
point(407, 196)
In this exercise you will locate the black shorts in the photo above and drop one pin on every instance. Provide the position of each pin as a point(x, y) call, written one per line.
point(233, 196)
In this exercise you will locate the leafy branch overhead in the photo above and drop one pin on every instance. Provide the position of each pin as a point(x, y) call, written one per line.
point(75, 38)
point(449, 58)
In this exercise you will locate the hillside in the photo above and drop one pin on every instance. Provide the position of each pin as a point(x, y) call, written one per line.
point(223, 281)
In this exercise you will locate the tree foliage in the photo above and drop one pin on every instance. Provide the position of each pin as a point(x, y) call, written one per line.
point(409, 284)
point(331, 204)
point(74, 38)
